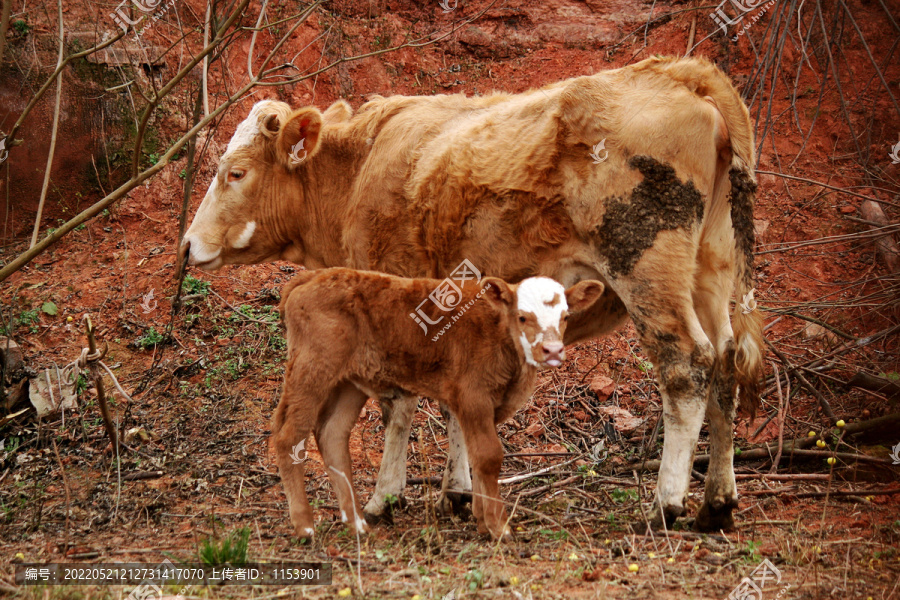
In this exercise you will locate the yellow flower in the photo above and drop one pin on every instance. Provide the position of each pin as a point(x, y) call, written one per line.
point(633, 568)
point(831, 460)
point(820, 443)
point(20, 556)
point(344, 592)
point(840, 423)
point(514, 580)
point(573, 556)
point(535, 557)
point(651, 555)
point(69, 319)
point(811, 434)
point(416, 597)
point(671, 560)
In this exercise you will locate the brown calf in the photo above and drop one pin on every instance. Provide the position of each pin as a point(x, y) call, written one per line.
point(350, 336)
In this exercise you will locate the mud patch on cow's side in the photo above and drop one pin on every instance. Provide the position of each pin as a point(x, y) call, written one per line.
point(658, 203)
point(741, 199)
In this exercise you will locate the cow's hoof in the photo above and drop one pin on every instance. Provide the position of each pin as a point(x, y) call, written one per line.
point(454, 503)
point(383, 512)
point(711, 518)
point(656, 523)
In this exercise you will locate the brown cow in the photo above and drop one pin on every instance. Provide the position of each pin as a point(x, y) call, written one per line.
point(349, 337)
point(641, 177)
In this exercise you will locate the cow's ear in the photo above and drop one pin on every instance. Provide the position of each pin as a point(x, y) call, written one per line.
point(583, 294)
point(298, 139)
point(339, 112)
point(496, 291)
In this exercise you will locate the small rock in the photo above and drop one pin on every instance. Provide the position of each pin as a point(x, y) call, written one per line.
point(535, 430)
point(603, 386)
point(847, 209)
point(623, 421)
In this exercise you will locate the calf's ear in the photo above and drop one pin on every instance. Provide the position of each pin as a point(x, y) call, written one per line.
point(298, 138)
point(583, 294)
point(496, 291)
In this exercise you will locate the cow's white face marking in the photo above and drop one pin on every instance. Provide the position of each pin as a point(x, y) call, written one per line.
point(248, 129)
point(243, 240)
point(542, 304)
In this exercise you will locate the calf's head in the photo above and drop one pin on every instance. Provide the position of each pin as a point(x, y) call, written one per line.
point(538, 309)
point(244, 214)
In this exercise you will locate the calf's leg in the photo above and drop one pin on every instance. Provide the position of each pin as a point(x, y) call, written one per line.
point(457, 482)
point(486, 457)
point(397, 415)
point(335, 422)
point(294, 419)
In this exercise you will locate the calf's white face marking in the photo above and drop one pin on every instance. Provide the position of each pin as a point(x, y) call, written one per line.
point(542, 306)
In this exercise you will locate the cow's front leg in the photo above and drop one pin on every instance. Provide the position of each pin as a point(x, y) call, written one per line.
point(456, 486)
point(397, 415)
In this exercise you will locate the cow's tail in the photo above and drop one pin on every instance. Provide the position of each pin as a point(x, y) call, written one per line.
point(746, 320)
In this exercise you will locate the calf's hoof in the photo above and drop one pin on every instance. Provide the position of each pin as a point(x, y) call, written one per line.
point(305, 534)
point(715, 518)
point(383, 512)
point(454, 503)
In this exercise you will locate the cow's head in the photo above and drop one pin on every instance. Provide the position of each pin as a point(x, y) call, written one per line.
point(538, 309)
point(240, 219)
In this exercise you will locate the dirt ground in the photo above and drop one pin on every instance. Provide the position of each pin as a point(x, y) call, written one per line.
point(204, 382)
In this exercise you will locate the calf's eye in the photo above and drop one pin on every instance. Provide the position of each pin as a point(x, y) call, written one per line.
point(522, 319)
point(235, 175)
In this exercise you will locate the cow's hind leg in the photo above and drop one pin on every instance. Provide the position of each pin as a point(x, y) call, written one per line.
point(671, 334)
point(456, 484)
point(336, 421)
point(711, 295)
point(397, 415)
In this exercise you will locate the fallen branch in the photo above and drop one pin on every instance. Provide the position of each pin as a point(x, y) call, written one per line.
point(826, 407)
point(887, 423)
point(138, 475)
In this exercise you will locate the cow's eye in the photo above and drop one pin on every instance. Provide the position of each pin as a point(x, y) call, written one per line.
point(522, 319)
point(235, 175)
